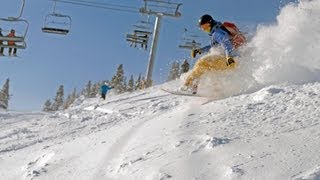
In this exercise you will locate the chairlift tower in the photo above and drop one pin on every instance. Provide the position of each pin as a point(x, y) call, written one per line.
point(159, 9)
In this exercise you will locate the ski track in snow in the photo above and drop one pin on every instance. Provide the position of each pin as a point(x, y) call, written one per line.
point(81, 121)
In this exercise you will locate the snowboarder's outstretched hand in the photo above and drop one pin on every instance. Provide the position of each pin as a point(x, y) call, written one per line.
point(230, 61)
point(194, 52)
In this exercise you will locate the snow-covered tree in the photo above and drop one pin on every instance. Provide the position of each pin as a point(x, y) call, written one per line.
point(125, 84)
point(95, 89)
point(67, 102)
point(131, 87)
point(70, 99)
point(185, 67)
point(87, 90)
point(138, 83)
point(47, 106)
point(118, 80)
point(174, 72)
point(4, 95)
point(143, 83)
point(74, 95)
point(58, 100)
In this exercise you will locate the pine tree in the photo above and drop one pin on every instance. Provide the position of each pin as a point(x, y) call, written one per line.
point(70, 99)
point(185, 67)
point(118, 80)
point(138, 83)
point(4, 95)
point(67, 102)
point(87, 90)
point(131, 84)
point(125, 86)
point(74, 95)
point(47, 106)
point(95, 89)
point(58, 100)
point(174, 72)
point(143, 83)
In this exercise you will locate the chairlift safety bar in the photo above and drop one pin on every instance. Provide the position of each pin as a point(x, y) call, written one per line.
point(137, 37)
point(10, 19)
point(23, 46)
point(136, 41)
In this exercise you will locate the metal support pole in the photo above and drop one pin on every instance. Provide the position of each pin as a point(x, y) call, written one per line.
point(153, 49)
point(21, 10)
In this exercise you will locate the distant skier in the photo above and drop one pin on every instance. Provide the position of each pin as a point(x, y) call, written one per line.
point(225, 35)
point(104, 89)
point(1, 42)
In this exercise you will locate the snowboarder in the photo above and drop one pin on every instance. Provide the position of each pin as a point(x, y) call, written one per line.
point(104, 89)
point(225, 35)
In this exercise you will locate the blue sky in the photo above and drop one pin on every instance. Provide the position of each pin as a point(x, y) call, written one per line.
point(96, 44)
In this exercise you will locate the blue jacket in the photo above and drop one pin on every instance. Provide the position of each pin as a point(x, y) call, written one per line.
point(1, 35)
point(104, 89)
point(220, 37)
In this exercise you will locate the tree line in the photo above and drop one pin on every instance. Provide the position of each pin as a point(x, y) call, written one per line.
point(119, 82)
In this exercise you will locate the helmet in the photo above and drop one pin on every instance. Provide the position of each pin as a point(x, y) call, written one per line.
point(206, 19)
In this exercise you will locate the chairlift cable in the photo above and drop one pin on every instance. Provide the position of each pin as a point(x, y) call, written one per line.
point(96, 6)
point(103, 4)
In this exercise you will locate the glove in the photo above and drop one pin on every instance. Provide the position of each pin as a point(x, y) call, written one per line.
point(230, 61)
point(194, 52)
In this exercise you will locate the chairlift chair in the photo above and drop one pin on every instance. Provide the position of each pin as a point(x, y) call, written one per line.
point(143, 25)
point(190, 45)
point(51, 25)
point(19, 40)
point(140, 35)
point(189, 40)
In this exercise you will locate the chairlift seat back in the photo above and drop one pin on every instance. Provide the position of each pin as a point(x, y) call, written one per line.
point(15, 39)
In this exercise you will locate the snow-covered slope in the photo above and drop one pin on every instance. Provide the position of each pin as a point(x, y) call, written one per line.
point(263, 124)
point(270, 134)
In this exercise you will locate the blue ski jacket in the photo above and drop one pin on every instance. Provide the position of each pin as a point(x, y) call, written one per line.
point(104, 89)
point(220, 37)
point(1, 35)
